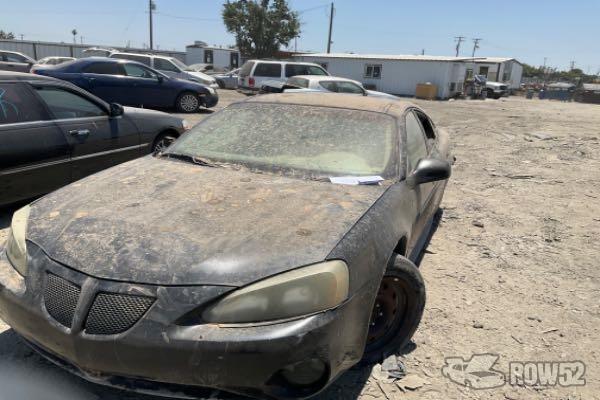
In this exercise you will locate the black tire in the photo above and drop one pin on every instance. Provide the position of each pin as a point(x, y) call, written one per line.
point(188, 102)
point(162, 141)
point(397, 310)
point(221, 84)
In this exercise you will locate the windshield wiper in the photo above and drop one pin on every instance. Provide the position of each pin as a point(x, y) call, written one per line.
point(191, 159)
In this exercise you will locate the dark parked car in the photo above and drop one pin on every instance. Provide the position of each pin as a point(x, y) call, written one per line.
point(132, 83)
point(233, 260)
point(53, 133)
point(15, 62)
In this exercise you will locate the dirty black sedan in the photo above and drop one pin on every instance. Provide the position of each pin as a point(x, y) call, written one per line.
point(264, 253)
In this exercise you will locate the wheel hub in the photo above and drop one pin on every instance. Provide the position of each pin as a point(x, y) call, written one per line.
point(389, 308)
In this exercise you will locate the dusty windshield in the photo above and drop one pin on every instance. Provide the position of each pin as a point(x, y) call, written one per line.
point(303, 141)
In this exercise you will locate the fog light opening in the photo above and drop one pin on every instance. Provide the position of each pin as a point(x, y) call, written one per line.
point(305, 374)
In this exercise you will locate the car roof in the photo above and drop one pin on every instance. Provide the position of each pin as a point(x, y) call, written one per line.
point(23, 76)
point(284, 62)
point(395, 108)
point(325, 78)
point(141, 55)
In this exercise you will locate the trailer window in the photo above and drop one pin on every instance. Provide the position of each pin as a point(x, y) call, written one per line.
point(373, 71)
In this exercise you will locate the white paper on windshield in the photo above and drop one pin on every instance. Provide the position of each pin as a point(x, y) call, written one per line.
point(356, 180)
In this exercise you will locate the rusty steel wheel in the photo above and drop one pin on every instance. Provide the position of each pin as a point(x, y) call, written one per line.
point(389, 309)
point(397, 310)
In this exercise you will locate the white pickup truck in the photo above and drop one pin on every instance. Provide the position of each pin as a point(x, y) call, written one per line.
point(497, 89)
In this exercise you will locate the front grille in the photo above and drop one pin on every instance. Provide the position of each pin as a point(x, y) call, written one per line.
point(115, 313)
point(60, 297)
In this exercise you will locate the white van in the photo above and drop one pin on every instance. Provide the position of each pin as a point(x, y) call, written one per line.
point(169, 66)
point(255, 72)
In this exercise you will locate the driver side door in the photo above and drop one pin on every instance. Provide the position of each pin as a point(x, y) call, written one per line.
point(97, 141)
point(145, 86)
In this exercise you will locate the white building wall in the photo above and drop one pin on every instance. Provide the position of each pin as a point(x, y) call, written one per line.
point(221, 57)
point(397, 76)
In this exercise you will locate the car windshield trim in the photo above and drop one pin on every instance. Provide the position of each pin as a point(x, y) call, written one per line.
point(339, 159)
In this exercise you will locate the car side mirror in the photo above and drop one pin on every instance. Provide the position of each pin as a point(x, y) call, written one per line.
point(429, 170)
point(116, 110)
point(160, 79)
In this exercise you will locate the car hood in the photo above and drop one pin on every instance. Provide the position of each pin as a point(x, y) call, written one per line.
point(201, 76)
point(160, 221)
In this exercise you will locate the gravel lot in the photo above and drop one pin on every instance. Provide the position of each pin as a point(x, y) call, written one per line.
point(511, 270)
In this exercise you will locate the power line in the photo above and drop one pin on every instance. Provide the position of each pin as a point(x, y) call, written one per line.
point(458, 40)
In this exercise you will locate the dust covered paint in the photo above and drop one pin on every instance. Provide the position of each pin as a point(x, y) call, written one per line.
point(165, 222)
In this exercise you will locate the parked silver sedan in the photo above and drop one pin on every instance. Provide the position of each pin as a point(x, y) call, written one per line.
point(15, 62)
point(227, 80)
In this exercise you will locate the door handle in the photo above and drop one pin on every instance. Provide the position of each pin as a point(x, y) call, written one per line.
point(79, 132)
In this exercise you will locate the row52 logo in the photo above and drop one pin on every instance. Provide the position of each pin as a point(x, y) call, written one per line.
point(478, 372)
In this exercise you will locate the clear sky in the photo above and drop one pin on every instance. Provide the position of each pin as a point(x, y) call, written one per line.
point(529, 30)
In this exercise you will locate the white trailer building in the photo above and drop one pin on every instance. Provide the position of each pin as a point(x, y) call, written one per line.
point(498, 69)
point(222, 58)
point(396, 74)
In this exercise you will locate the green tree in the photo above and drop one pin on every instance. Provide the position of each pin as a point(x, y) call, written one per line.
point(6, 35)
point(261, 27)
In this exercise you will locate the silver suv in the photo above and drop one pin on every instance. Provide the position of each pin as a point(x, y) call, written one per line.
point(169, 66)
point(254, 73)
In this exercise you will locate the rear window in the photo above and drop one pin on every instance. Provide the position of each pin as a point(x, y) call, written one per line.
point(268, 70)
point(103, 68)
point(143, 59)
point(300, 69)
point(17, 104)
point(246, 68)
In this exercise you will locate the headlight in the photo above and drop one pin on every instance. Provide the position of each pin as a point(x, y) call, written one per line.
point(210, 90)
point(16, 249)
point(185, 124)
point(300, 292)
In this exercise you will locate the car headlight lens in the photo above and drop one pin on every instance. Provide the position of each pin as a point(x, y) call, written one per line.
point(210, 90)
point(299, 292)
point(185, 124)
point(16, 248)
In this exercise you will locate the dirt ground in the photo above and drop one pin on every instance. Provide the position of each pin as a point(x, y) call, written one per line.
point(512, 269)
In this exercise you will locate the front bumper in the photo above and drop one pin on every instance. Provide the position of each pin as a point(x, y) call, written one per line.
point(210, 100)
point(241, 359)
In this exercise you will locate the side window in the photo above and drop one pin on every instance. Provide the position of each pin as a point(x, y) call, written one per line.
point(311, 70)
point(301, 69)
point(11, 57)
point(64, 104)
point(349, 87)
point(428, 128)
point(329, 85)
point(298, 82)
point(137, 71)
point(269, 70)
point(18, 104)
point(415, 141)
point(164, 65)
point(103, 68)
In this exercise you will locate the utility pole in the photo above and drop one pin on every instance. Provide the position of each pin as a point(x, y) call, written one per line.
point(476, 45)
point(21, 36)
point(151, 7)
point(572, 65)
point(458, 40)
point(330, 28)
